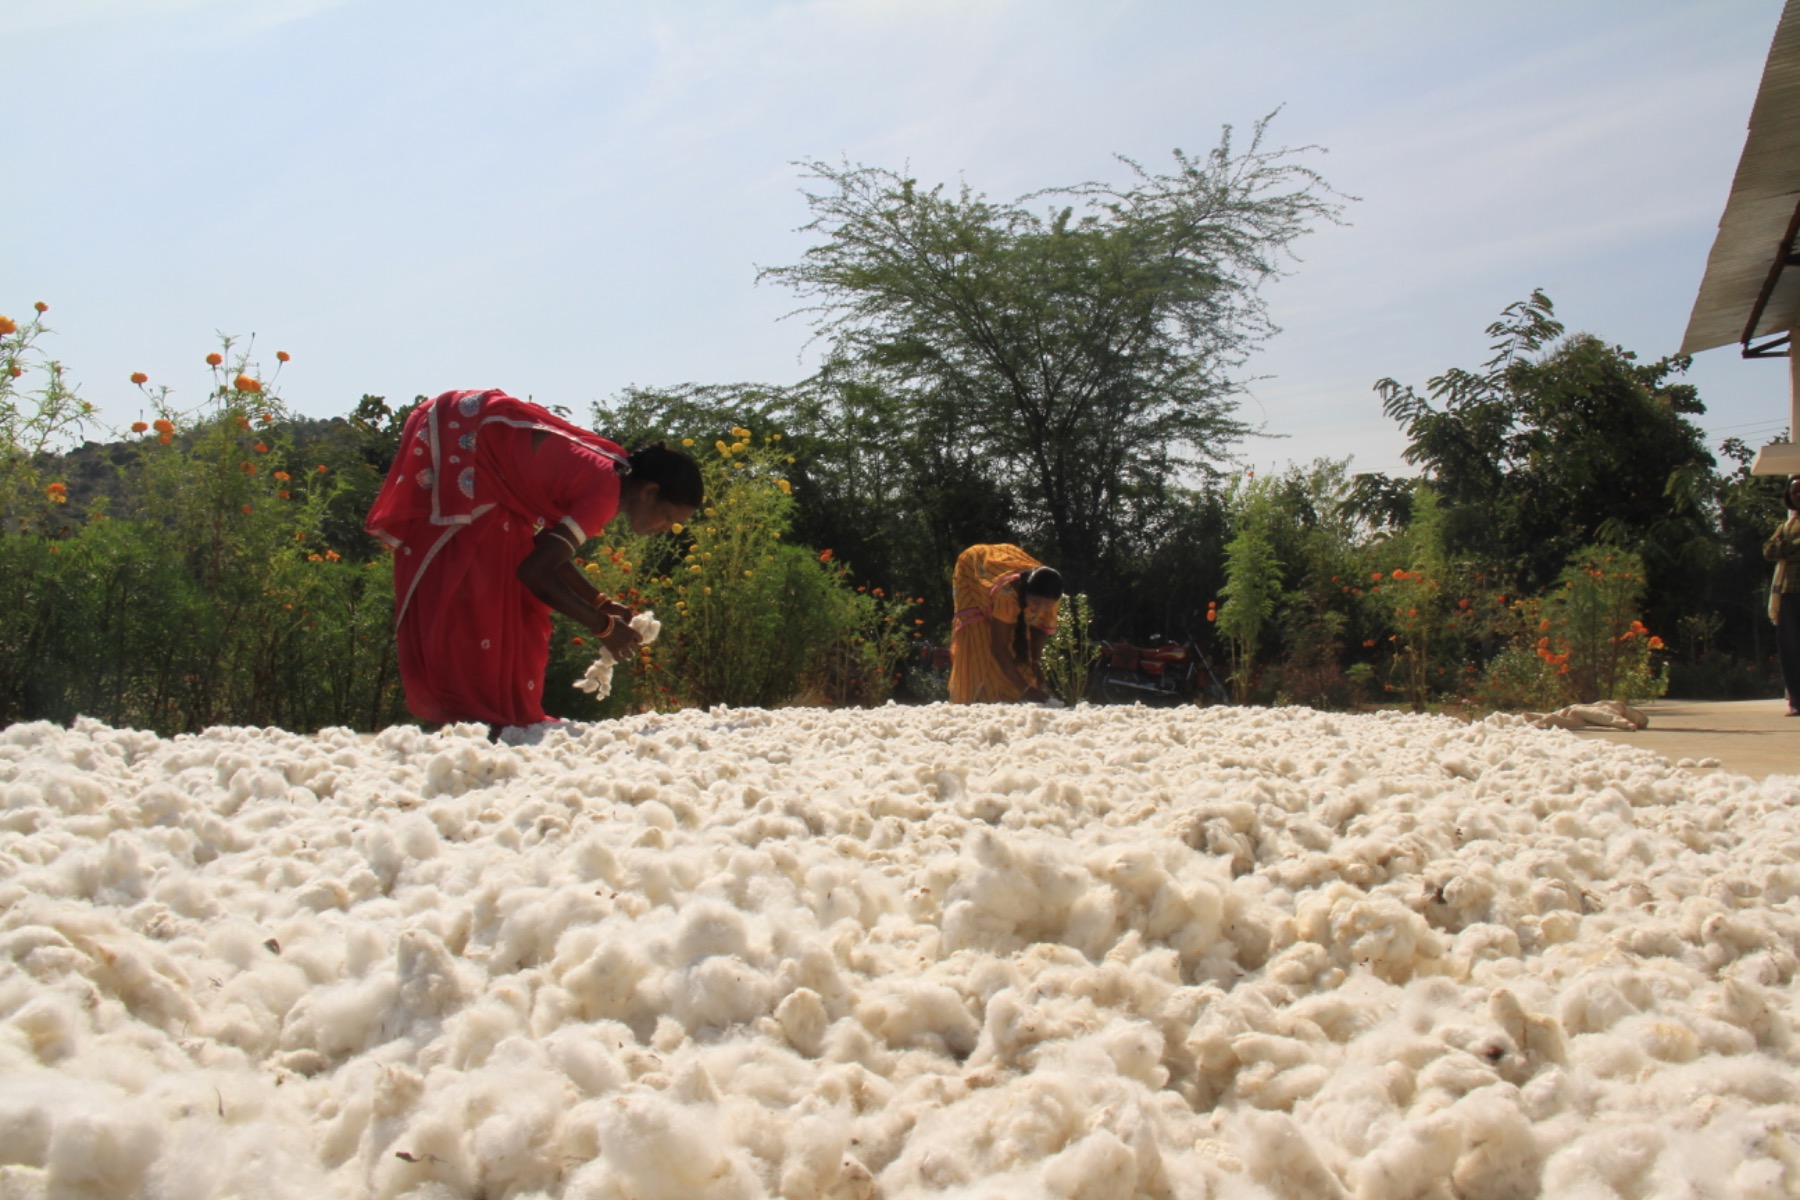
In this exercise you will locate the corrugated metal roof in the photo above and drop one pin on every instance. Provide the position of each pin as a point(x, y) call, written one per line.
point(1760, 213)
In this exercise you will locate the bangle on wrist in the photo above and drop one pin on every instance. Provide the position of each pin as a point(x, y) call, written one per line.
point(611, 623)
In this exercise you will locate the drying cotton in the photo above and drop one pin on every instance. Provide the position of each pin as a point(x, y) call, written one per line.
point(908, 952)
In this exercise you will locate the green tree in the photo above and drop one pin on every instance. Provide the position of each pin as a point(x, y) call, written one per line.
point(1559, 442)
point(1080, 361)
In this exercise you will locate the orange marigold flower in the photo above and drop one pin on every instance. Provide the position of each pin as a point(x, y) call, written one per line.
point(283, 476)
point(58, 493)
point(312, 557)
point(213, 360)
point(825, 556)
point(878, 593)
point(8, 325)
point(332, 556)
point(321, 469)
point(1375, 576)
point(1656, 643)
point(138, 377)
point(1212, 614)
point(15, 370)
point(261, 448)
point(244, 383)
point(576, 641)
point(283, 356)
point(165, 438)
point(163, 425)
point(1543, 624)
point(246, 509)
point(243, 422)
point(1368, 643)
point(138, 427)
point(1462, 604)
point(41, 306)
point(249, 468)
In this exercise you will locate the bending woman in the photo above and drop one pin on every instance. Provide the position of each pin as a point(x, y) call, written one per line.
point(1006, 605)
point(484, 508)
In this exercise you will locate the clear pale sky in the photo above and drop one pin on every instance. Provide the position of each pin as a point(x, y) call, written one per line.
point(564, 198)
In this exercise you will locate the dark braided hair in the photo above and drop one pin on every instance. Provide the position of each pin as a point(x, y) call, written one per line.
point(674, 471)
point(1039, 581)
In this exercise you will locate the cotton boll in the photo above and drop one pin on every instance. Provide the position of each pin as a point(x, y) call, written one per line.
point(429, 983)
point(719, 992)
point(54, 1026)
point(586, 1061)
point(923, 1013)
point(803, 1020)
point(1279, 1156)
point(668, 1153)
point(1098, 1167)
point(101, 1150)
point(1617, 1159)
point(1416, 1162)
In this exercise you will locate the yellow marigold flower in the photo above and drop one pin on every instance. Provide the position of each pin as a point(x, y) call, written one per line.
point(8, 325)
point(787, 489)
point(695, 569)
point(676, 527)
point(214, 359)
point(722, 448)
point(687, 441)
point(138, 377)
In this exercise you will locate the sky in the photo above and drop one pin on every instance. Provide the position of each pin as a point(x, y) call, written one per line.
point(566, 198)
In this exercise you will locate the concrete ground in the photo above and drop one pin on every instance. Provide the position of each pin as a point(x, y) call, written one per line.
point(1751, 737)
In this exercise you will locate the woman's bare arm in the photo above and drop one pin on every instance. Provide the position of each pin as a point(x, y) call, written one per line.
point(550, 574)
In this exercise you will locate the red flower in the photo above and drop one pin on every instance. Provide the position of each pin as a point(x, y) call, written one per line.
point(824, 556)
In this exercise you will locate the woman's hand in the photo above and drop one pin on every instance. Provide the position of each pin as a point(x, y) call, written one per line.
point(622, 640)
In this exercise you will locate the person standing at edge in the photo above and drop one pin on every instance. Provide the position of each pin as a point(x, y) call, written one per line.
point(1783, 549)
point(484, 507)
point(1006, 605)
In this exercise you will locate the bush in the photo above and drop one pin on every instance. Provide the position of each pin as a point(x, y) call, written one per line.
point(1070, 653)
point(747, 618)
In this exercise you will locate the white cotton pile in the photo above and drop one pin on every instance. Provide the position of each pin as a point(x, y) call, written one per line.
point(941, 951)
point(598, 678)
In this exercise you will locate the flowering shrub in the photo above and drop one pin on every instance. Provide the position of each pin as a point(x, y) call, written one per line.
point(212, 597)
point(38, 411)
point(748, 619)
point(1581, 641)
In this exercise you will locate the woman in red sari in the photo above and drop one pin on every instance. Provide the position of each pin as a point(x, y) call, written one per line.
point(484, 507)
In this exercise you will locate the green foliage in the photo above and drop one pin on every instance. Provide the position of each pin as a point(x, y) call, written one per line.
point(1071, 652)
point(211, 598)
point(35, 417)
point(1252, 585)
point(750, 619)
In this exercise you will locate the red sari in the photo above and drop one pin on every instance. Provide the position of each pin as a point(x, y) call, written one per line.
point(461, 506)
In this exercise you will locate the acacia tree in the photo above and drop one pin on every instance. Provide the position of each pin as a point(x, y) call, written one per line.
point(1078, 345)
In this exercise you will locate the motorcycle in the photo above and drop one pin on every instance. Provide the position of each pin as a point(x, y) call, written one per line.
point(1166, 673)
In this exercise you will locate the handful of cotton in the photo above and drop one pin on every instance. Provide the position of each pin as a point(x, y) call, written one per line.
point(598, 679)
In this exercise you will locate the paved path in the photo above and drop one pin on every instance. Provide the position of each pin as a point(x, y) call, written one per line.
point(1751, 737)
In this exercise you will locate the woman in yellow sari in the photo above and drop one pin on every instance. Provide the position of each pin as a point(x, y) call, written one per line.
point(1006, 604)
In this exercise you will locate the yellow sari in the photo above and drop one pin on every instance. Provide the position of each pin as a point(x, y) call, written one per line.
point(984, 594)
